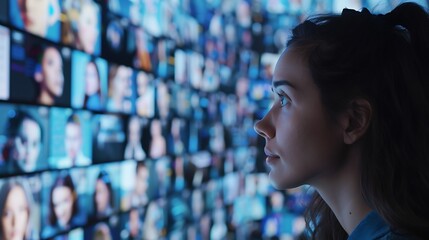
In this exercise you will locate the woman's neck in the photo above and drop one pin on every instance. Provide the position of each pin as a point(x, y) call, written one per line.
point(342, 192)
point(46, 98)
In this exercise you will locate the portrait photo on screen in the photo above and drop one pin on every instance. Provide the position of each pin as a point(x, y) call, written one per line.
point(62, 198)
point(163, 99)
point(135, 177)
point(40, 72)
point(178, 215)
point(134, 147)
point(151, 20)
point(89, 82)
point(140, 47)
point(20, 208)
point(24, 138)
point(195, 64)
point(163, 64)
point(155, 141)
point(104, 192)
point(81, 27)
point(177, 136)
point(132, 223)
point(108, 138)
point(160, 178)
point(70, 138)
point(120, 97)
point(181, 71)
point(181, 100)
point(39, 17)
point(155, 220)
point(4, 62)
point(145, 94)
point(115, 39)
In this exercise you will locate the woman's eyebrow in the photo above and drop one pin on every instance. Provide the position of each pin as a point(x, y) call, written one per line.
point(283, 82)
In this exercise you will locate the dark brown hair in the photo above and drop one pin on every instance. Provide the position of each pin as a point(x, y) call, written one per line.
point(63, 180)
point(385, 60)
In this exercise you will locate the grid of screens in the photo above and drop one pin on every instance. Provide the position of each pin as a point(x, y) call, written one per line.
point(128, 119)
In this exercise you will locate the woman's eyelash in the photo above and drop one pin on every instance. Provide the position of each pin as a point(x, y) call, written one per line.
point(283, 99)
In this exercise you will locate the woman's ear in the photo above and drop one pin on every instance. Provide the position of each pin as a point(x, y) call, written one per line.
point(356, 120)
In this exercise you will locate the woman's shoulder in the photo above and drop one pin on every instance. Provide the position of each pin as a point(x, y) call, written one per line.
point(395, 236)
point(373, 227)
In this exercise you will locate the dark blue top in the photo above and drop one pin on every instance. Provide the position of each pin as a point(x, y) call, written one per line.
point(373, 227)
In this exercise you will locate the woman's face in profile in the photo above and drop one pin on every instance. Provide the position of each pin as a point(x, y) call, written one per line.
point(15, 215)
point(88, 27)
point(102, 196)
point(52, 72)
point(35, 15)
point(303, 143)
point(92, 79)
point(62, 199)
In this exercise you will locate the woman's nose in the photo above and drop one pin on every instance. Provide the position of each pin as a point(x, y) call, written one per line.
point(263, 128)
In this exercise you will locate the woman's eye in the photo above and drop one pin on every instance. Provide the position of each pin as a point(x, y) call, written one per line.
point(283, 100)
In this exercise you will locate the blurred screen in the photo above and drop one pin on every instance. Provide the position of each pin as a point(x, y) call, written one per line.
point(20, 201)
point(40, 71)
point(3, 11)
point(4, 62)
point(81, 25)
point(89, 82)
point(24, 138)
point(120, 97)
point(63, 193)
point(41, 18)
point(108, 138)
point(115, 39)
point(70, 142)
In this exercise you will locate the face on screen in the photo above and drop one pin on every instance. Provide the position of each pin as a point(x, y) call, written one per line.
point(88, 26)
point(38, 15)
point(121, 81)
point(92, 84)
point(15, 215)
point(50, 77)
point(73, 139)
point(28, 145)
point(141, 183)
point(102, 196)
point(62, 199)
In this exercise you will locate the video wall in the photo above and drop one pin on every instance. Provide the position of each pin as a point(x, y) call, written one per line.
point(133, 119)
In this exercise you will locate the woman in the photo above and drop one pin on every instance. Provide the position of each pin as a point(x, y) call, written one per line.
point(16, 203)
point(24, 144)
point(103, 196)
point(351, 119)
point(63, 206)
point(93, 99)
point(49, 76)
point(119, 89)
point(134, 148)
point(81, 25)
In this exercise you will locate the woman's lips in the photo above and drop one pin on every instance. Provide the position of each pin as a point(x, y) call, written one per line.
point(271, 157)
